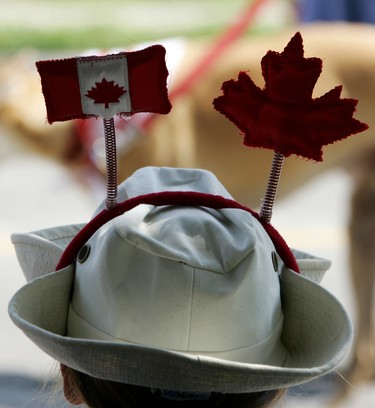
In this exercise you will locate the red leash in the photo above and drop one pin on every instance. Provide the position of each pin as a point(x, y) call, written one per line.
point(230, 35)
point(224, 41)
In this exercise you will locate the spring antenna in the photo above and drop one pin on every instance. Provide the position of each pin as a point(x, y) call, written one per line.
point(273, 182)
point(111, 162)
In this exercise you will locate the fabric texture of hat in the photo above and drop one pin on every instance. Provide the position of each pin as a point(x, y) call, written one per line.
point(185, 298)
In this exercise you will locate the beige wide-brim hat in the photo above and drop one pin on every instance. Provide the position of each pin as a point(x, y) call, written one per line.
point(190, 293)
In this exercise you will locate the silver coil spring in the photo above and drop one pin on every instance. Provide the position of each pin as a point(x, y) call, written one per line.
point(273, 182)
point(111, 161)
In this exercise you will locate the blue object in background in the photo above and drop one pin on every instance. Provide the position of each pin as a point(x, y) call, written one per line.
point(337, 10)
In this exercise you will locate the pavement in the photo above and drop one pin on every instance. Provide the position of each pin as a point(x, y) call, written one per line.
point(37, 193)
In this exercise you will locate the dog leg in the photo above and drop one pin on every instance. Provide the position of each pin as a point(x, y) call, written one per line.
point(362, 260)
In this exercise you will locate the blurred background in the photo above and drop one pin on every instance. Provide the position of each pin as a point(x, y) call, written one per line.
point(54, 174)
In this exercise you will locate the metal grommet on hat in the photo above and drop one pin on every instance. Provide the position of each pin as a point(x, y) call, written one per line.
point(84, 253)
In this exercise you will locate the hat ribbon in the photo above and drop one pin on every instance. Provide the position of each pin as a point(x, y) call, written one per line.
point(181, 198)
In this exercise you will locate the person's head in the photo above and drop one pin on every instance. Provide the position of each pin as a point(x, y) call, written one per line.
point(178, 291)
point(81, 388)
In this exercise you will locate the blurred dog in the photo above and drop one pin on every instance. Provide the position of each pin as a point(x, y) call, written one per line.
point(195, 135)
point(362, 259)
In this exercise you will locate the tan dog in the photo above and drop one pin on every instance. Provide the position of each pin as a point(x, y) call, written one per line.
point(195, 135)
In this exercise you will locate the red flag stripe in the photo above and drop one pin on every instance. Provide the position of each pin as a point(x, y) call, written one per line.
point(147, 71)
point(60, 86)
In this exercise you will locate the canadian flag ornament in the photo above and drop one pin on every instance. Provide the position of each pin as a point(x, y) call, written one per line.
point(116, 84)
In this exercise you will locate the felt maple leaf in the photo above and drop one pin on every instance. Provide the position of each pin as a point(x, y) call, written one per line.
point(105, 92)
point(284, 116)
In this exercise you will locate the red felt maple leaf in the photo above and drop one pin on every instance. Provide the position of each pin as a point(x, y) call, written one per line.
point(105, 92)
point(283, 116)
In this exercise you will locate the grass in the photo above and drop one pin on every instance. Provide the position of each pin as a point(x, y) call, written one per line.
point(83, 24)
point(89, 37)
point(56, 24)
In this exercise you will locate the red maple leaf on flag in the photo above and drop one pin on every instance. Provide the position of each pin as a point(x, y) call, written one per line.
point(283, 116)
point(105, 92)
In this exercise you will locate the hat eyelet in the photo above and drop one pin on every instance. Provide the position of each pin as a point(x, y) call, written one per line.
point(275, 261)
point(84, 253)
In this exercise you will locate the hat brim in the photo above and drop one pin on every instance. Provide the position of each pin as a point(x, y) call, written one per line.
point(317, 334)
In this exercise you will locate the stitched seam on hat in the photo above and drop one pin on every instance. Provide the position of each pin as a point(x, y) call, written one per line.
point(49, 234)
point(280, 321)
point(200, 267)
point(40, 246)
point(185, 334)
point(97, 329)
point(171, 258)
point(61, 237)
point(191, 304)
point(313, 266)
point(86, 321)
point(50, 240)
point(175, 259)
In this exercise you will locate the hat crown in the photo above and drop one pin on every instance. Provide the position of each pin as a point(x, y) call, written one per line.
point(188, 279)
point(197, 236)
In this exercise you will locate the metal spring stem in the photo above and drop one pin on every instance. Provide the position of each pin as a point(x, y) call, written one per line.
point(273, 182)
point(111, 162)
